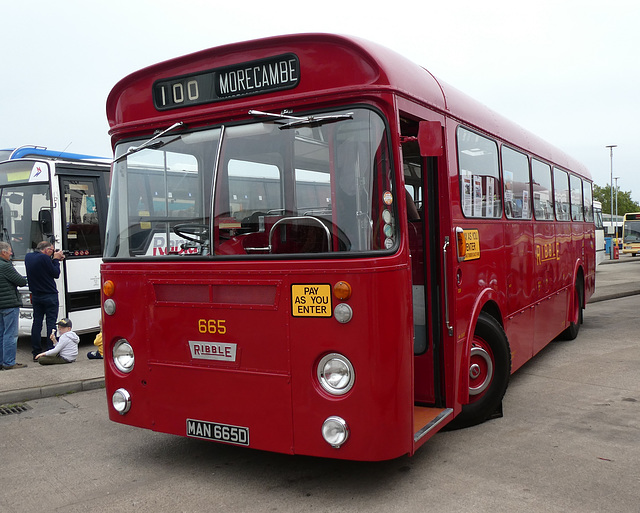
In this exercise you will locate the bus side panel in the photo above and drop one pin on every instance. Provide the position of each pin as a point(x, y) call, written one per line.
point(481, 280)
point(588, 247)
point(519, 251)
point(567, 255)
point(547, 276)
point(590, 271)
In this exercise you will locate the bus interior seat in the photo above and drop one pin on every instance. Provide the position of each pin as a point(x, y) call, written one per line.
point(298, 237)
point(252, 222)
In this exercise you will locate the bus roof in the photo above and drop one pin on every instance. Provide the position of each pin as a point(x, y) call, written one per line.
point(372, 69)
point(41, 152)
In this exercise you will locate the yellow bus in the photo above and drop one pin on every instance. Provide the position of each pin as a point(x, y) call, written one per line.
point(631, 233)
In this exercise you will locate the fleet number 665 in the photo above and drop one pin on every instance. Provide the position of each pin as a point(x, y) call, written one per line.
point(212, 326)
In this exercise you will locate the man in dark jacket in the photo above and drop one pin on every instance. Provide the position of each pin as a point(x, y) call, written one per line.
point(43, 268)
point(10, 303)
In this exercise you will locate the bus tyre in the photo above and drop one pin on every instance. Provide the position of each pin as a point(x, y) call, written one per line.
point(575, 315)
point(489, 371)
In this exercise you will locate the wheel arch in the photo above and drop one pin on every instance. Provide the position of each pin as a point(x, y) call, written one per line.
point(486, 302)
point(579, 280)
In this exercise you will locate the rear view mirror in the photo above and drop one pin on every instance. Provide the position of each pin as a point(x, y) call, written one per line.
point(430, 139)
point(45, 222)
point(15, 199)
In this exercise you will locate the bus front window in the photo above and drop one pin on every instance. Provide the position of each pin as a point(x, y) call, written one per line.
point(161, 196)
point(25, 216)
point(631, 231)
point(263, 188)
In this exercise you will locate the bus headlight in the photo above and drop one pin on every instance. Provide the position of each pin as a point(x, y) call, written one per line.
point(121, 401)
point(25, 298)
point(123, 356)
point(336, 374)
point(335, 431)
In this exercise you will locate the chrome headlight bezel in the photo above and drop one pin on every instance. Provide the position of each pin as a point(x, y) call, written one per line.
point(335, 431)
point(123, 356)
point(336, 374)
point(121, 401)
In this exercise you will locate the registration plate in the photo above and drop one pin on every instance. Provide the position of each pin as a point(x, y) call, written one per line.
point(218, 432)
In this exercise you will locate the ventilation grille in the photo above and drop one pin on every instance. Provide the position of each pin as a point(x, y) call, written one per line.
point(10, 409)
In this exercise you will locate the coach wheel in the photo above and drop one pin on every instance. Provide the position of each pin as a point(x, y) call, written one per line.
point(575, 314)
point(195, 232)
point(489, 371)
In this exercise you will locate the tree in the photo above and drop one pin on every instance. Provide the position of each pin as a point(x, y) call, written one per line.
point(625, 203)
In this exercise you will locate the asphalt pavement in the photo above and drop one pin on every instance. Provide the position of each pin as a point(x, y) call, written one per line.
point(614, 279)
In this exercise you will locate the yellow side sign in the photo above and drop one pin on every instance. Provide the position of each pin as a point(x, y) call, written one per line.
point(311, 300)
point(472, 240)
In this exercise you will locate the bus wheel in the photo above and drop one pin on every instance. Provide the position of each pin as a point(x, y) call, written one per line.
point(489, 371)
point(575, 319)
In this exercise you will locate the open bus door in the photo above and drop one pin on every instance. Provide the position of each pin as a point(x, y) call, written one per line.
point(422, 155)
point(83, 220)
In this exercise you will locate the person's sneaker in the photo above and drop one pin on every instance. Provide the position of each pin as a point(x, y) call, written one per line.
point(15, 366)
point(94, 355)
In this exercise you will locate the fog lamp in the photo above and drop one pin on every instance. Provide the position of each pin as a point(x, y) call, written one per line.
point(121, 401)
point(335, 431)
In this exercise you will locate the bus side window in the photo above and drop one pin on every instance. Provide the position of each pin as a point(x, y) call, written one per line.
point(577, 210)
point(588, 202)
point(479, 175)
point(561, 194)
point(542, 198)
point(517, 185)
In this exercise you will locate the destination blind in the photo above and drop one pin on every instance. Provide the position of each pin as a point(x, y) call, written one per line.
point(245, 79)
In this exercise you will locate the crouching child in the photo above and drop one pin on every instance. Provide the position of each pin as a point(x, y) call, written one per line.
point(64, 350)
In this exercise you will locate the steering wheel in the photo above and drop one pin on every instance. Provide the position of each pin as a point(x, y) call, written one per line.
point(195, 232)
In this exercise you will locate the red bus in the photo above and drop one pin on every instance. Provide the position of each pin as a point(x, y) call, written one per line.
point(316, 247)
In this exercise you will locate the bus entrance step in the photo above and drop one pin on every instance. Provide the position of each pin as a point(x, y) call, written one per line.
point(426, 419)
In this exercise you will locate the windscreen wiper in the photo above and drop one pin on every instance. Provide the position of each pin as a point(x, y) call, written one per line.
point(153, 142)
point(297, 121)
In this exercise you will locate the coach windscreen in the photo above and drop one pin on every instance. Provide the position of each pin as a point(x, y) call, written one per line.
point(277, 186)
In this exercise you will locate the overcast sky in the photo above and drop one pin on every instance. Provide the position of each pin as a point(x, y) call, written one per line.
point(567, 70)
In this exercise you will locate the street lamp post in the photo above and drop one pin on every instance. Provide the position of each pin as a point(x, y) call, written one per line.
point(611, 147)
point(616, 179)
